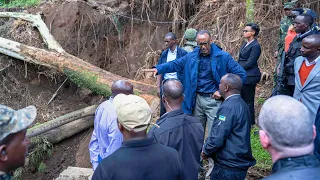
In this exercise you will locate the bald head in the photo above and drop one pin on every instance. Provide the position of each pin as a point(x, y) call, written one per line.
point(121, 87)
point(173, 89)
point(171, 36)
point(287, 123)
point(313, 39)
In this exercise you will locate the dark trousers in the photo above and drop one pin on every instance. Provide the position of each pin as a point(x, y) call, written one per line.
point(291, 90)
point(219, 173)
point(247, 93)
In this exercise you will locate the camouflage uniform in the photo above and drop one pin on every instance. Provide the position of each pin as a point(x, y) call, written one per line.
point(11, 122)
point(190, 36)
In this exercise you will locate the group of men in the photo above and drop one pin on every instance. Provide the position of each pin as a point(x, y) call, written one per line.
point(298, 53)
point(199, 86)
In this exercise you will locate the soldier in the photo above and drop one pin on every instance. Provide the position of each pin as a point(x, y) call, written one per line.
point(284, 26)
point(190, 37)
point(13, 140)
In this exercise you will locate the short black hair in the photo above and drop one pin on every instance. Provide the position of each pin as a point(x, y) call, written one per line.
point(173, 89)
point(202, 32)
point(308, 19)
point(234, 81)
point(171, 35)
point(254, 27)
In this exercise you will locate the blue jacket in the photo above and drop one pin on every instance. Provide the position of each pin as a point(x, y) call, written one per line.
point(163, 59)
point(317, 140)
point(221, 64)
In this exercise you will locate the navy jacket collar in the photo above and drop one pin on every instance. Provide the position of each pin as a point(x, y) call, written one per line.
point(295, 162)
point(170, 114)
point(139, 143)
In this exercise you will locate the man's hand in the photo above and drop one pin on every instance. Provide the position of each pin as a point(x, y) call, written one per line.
point(204, 156)
point(154, 70)
point(216, 95)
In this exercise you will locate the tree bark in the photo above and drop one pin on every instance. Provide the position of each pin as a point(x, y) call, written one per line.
point(56, 135)
point(62, 120)
point(77, 70)
point(250, 11)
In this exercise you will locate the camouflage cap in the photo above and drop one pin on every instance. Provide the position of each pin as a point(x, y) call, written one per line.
point(12, 121)
point(289, 5)
point(190, 34)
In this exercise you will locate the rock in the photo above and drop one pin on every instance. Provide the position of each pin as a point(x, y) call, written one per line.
point(76, 173)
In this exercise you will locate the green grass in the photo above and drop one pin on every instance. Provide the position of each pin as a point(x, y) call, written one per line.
point(19, 3)
point(262, 156)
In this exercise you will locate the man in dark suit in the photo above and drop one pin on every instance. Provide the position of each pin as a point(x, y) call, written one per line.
point(172, 52)
point(179, 130)
point(229, 140)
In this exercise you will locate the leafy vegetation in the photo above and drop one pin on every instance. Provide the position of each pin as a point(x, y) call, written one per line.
point(262, 156)
point(18, 3)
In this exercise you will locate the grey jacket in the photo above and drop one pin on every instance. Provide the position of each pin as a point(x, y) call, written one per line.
point(308, 94)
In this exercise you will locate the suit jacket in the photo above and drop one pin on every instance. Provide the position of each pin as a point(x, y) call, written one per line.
point(185, 134)
point(308, 94)
point(248, 59)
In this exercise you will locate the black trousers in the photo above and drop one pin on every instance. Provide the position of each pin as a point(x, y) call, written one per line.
point(247, 93)
point(219, 173)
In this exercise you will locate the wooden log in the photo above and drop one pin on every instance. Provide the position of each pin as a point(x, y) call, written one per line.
point(62, 120)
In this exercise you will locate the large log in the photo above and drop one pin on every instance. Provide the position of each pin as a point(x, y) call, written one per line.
point(79, 71)
point(60, 121)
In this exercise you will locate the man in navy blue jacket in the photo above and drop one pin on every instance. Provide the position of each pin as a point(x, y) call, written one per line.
point(172, 52)
point(202, 70)
point(179, 130)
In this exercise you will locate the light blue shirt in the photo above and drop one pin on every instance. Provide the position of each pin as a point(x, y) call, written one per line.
point(106, 137)
point(170, 57)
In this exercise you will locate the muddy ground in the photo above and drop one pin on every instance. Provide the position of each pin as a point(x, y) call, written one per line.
point(84, 32)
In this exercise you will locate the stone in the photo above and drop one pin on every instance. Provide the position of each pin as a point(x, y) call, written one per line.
point(76, 173)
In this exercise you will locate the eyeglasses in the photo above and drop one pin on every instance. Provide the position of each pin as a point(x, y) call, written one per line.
point(203, 44)
point(245, 31)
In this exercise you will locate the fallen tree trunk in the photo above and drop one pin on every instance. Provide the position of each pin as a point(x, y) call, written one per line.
point(77, 70)
point(62, 120)
point(63, 132)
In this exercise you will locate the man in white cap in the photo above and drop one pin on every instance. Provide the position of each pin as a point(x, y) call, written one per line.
point(139, 157)
point(13, 140)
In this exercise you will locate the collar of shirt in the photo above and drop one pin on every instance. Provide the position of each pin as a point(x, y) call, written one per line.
point(311, 63)
point(232, 96)
point(111, 98)
point(249, 43)
point(173, 52)
point(299, 35)
point(1, 173)
point(139, 143)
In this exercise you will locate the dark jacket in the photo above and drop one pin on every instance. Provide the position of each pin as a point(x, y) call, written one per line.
point(140, 160)
point(304, 167)
point(183, 133)
point(317, 140)
point(248, 59)
point(221, 64)
point(292, 54)
point(229, 140)
point(163, 59)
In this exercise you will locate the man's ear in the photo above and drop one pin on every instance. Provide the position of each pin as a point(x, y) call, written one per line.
point(3, 153)
point(314, 131)
point(264, 139)
point(226, 88)
point(120, 126)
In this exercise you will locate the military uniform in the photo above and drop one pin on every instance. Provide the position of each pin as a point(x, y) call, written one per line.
point(190, 35)
point(11, 122)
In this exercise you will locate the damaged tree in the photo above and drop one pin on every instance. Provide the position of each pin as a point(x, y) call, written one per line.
point(77, 70)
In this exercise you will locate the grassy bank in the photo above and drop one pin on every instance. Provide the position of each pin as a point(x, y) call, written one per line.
point(19, 3)
point(262, 156)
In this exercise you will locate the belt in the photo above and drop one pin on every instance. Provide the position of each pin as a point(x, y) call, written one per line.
point(205, 94)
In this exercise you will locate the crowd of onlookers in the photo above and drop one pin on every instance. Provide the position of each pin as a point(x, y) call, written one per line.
point(202, 88)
